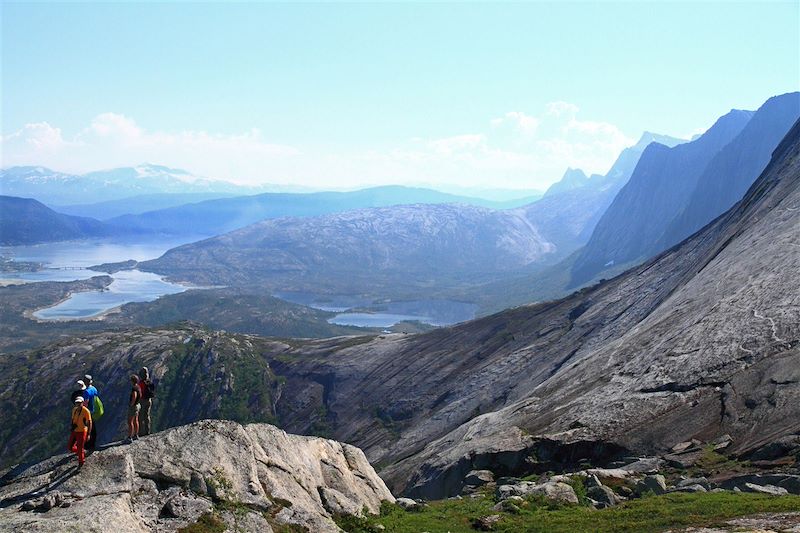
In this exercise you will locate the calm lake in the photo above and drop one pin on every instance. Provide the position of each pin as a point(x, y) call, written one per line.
point(365, 312)
point(128, 285)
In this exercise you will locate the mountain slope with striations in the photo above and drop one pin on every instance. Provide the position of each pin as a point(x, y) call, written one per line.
point(701, 341)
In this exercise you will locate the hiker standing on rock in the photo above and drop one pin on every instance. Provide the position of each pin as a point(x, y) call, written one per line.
point(81, 426)
point(148, 390)
point(134, 405)
point(91, 399)
point(78, 392)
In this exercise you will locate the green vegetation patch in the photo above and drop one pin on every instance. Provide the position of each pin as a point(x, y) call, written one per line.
point(650, 514)
point(207, 523)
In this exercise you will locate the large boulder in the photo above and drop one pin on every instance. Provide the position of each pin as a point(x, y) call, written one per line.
point(171, 479)
point(552, 490)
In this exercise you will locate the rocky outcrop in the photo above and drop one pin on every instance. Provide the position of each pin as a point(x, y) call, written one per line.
point(252, 477)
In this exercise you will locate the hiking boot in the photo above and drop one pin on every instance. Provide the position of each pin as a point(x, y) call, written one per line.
point(127, 441)
point(135, 437)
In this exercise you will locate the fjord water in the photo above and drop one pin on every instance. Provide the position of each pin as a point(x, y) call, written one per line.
point(68, 261)
point(365, 312)
point(128, 286)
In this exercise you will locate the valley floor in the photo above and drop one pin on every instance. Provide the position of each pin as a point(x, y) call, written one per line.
point(669, 512)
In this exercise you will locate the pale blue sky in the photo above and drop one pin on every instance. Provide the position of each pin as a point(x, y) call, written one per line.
point(350, 94)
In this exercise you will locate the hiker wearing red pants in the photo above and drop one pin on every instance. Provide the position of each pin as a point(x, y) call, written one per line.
point(81, 426)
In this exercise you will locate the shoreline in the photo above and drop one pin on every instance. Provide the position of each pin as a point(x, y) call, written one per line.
point(29, 313)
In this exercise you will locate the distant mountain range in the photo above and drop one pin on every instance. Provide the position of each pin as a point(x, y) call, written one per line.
point(214, 217)
point(647, 216)
point(413, 249)
point(27, 221)
point(58, 188)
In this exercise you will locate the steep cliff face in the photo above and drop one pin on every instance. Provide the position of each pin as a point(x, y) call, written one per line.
point(656, 193)
point(733, 170)
point(248, 478)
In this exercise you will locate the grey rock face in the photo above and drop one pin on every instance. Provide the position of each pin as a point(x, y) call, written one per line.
point(143, 486)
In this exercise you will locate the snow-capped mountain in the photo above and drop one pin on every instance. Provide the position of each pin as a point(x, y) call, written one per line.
point(54, 187)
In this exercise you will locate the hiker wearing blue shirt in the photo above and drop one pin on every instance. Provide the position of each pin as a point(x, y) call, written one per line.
point(89, 396)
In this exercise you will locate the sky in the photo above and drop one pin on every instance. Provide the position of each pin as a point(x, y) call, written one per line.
point(332, 95)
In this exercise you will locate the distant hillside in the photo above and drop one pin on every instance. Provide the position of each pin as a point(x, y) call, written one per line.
point(27, 221)
point(134, 205)
point(214, 217)
point(419, 247)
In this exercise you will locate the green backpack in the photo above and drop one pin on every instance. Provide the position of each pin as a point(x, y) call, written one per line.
point(98, 408)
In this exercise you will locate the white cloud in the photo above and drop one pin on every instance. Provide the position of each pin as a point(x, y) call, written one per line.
point(458, 143)
point(520, 121)
point(112, 140)
point(559, 109)
point(517, 150)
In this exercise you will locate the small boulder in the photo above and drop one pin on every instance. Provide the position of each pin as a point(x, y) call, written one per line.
point(29, 505)
point(47, 503)
point(645, 465)
point(765, 489)
point(198, 484)
point(694, 481)
point(683, 460)
point(478, 478)
point(408, 504)
point(655, 483)
point(681, 447)
point(486, 523)
point(554, 491)
point(689, 488)
point(188, 508)
point(603, 495)
point(720, 443)
point(559, 492)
